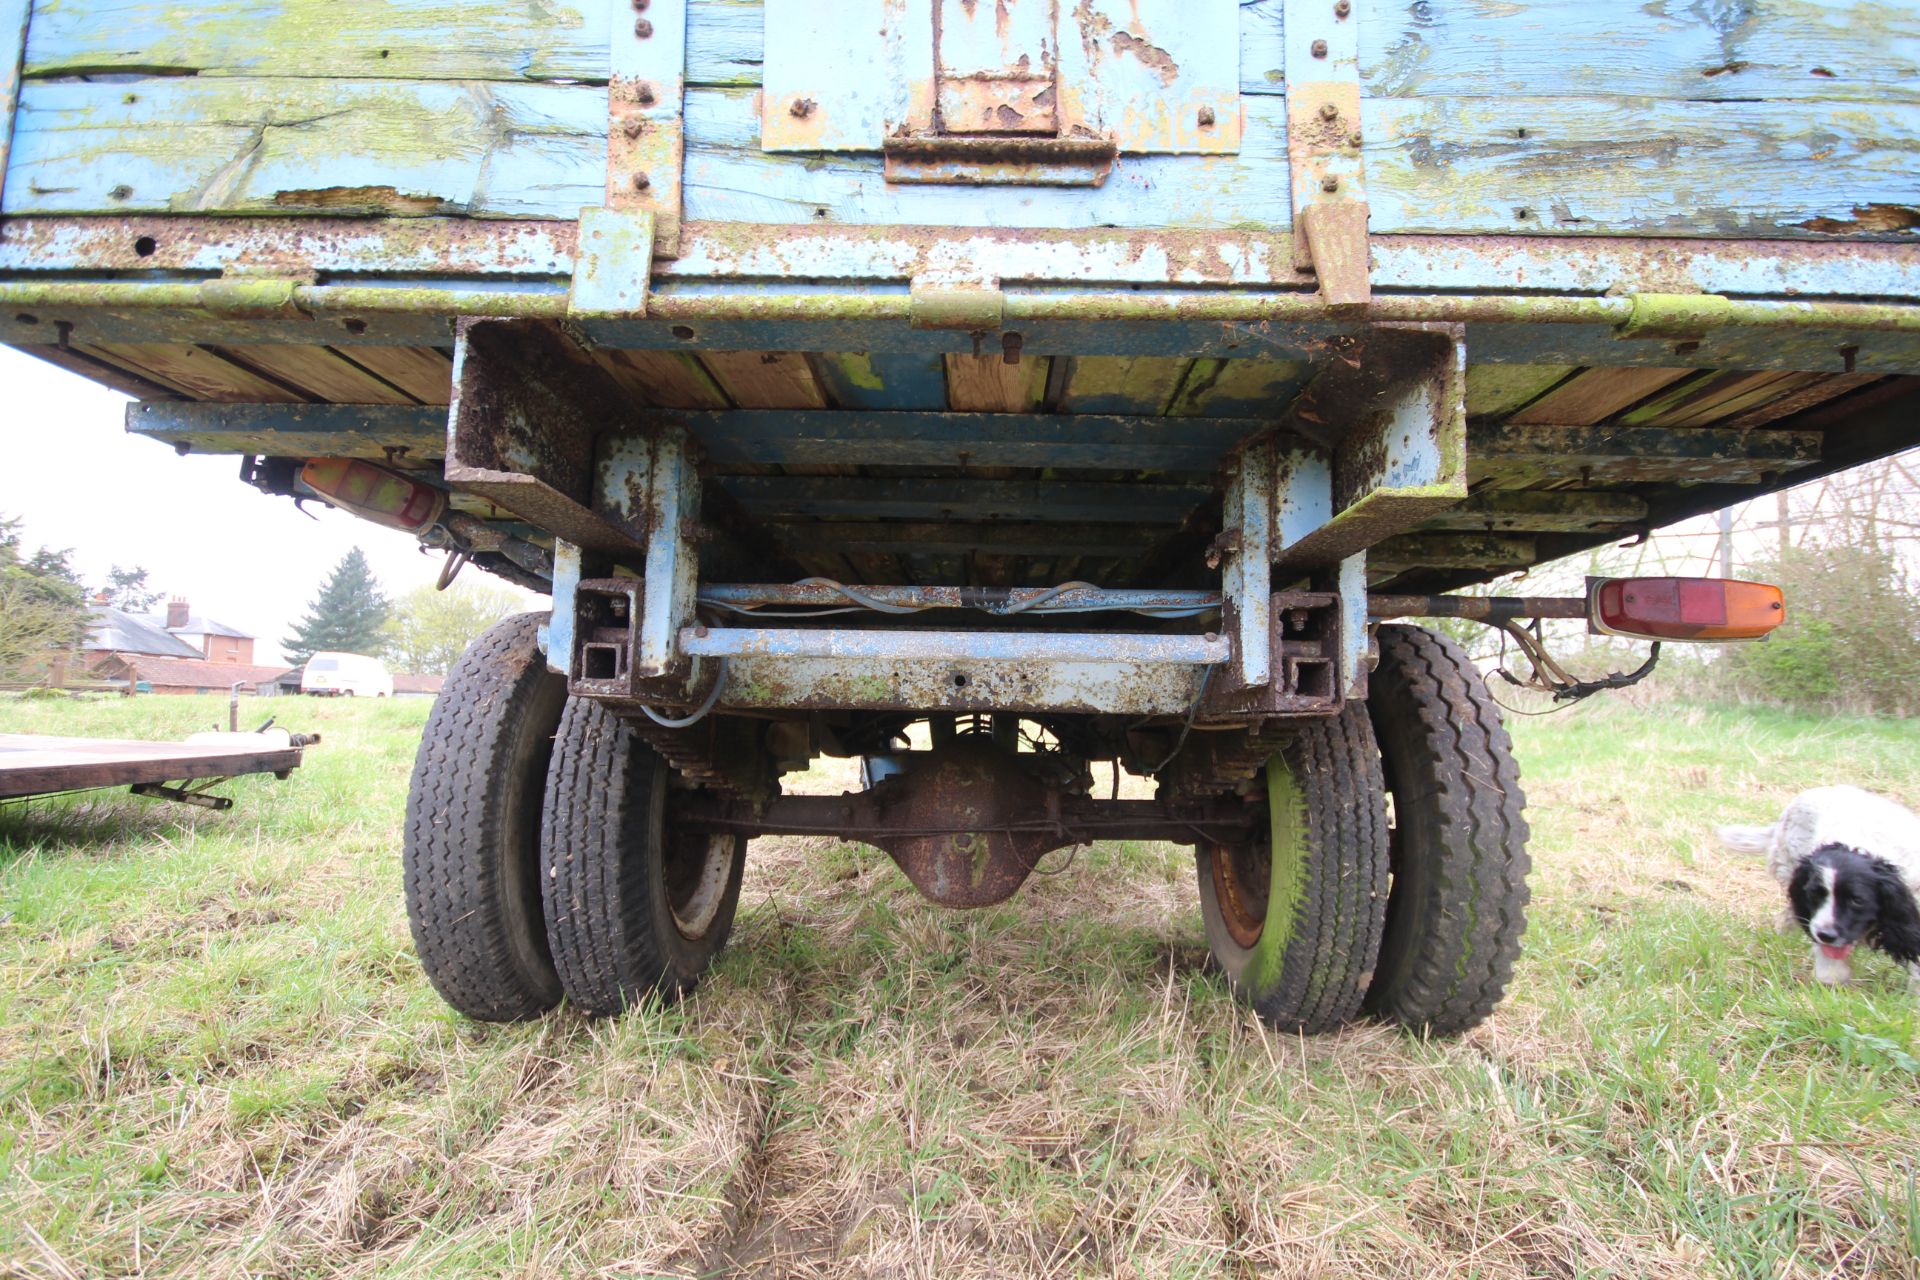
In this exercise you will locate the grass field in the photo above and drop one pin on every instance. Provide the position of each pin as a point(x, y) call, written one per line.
point(218, 1057)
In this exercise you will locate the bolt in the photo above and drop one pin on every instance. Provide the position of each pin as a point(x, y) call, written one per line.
point(644, 94)
point(1213, 637)
point(1206, 117)
point(1010, 348)
point(1318, 49)
point(1340, 10)
point(633, 128)
point(1329, 112)
point(701, 632)
point(639, 6)
point(641, 182)
point(1329, 183)
point(1353, 139)
point(643, 28)
point(801, 108)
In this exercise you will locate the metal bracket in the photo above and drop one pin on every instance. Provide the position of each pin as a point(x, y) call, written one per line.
point(528, 408)
point(646, 100)
point(612, 268)
point(194, 795)
point(1324, 157)
point(647, 486)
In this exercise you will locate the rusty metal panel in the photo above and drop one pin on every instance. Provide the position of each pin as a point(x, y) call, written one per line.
point(646, 110)
point(1324, 142)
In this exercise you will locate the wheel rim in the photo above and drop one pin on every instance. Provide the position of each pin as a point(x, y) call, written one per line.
point(1242, 878)
point(696, 871)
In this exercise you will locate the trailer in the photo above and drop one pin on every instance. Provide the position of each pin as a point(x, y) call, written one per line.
point(36, 764)
point(999, 394)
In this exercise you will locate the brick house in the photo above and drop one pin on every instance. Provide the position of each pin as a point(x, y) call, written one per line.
point(180, 653)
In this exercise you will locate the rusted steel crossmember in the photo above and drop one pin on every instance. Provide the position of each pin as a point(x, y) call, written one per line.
point(860, 816)
point(1476, 608)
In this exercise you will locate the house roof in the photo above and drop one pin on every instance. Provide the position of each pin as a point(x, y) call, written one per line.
point(177, 673)
point(116, 631)
point(203, 626)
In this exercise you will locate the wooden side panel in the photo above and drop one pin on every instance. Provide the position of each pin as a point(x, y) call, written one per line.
point(197, 372)
point(318, 371)
point(882, 379)
point(308, 146)
point(765, 379)
point(13, 35)
point(1793, 49)
point(988, 384)
point(425, 373)
point(390, 40)
point(1596, 395)
point(1496, 389)
point(1238, 388)
point(1624, 165)
point(1122, 384)
point(667, 379)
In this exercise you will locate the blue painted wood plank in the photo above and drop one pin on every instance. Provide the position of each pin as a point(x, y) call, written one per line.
point(507, 40)
point(308, 146)
point(883, 379)
point(1782, 49)
point(917, 499)
point(1637, 166)
point(295, 430)
point(13, 37)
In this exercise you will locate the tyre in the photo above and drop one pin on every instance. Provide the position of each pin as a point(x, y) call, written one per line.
point(632, 907)
point(1294, 917)
point(1457, 904)
point(471, 845)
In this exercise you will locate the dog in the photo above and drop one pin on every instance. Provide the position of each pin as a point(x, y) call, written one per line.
point(1850, 863)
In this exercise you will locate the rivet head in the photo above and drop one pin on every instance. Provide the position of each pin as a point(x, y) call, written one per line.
point(1206, 117)
point(644, 95)
point(801, 108)
point(633, 128)
point(1318, 49)
point(1329, 112)
point(1329, 184)
point(643, 28)
point(1340, 10)
point(1353, 139)
point(641, 182)
point(640, 6)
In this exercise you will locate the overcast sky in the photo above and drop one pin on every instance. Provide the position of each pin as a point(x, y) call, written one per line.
point(75, 479)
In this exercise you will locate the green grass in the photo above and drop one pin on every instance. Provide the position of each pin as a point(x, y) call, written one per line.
point(218, 1056)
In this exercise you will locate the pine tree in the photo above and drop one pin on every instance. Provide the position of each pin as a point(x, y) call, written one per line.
point(346, 617)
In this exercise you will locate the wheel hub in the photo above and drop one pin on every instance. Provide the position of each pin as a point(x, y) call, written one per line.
point(1242, 874)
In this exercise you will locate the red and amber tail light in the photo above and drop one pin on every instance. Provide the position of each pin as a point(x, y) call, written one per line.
point(375, 493)
point(1697, 609)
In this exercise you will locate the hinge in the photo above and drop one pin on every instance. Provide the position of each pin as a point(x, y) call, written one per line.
point(1673, 316)
point(976, 306)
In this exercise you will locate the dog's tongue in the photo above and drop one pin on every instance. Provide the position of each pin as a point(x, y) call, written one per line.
point(1835, 953)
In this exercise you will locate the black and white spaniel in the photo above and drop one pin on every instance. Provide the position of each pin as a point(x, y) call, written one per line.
point(1850, 863)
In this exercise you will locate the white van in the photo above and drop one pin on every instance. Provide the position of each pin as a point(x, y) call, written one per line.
point(348, 674)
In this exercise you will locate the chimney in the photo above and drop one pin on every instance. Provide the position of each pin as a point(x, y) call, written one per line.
point(176, 612)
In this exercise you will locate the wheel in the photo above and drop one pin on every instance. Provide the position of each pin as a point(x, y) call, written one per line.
point(632, 906)
point(1458, 901)
point(1294, 917)
point(470, 848)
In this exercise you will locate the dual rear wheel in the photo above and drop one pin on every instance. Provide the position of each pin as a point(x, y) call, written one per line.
point(1392, 879)
point(537, 854)
point(540, 860)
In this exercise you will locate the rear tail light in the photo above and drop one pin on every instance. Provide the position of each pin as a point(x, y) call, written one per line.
point(375, 493)
point(1698, 609)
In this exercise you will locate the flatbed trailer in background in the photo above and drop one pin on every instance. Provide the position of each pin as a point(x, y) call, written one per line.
point(991, 393)
point(33, 764)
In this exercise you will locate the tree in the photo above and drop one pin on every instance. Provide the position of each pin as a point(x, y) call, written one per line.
point(127, 589)
point(42, 608)
point(346, 617)
point(430, 629)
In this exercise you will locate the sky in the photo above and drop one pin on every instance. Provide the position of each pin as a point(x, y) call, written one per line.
point(74, 478)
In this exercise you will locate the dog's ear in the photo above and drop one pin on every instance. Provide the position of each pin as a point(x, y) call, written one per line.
point(1897, 918)
point(1799, 895)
